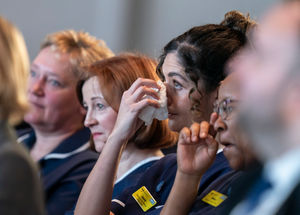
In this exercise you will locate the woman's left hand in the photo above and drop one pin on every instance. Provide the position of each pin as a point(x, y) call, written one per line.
point(196, 149)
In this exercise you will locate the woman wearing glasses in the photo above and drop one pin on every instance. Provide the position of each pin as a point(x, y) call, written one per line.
point(197, 141)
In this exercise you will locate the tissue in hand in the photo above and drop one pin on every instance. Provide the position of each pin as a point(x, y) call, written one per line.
point(161, 113)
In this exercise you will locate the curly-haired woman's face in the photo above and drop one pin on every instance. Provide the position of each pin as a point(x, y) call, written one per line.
point(178, 89)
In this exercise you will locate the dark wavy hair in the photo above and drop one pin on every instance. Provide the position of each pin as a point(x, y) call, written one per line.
point(204, 50)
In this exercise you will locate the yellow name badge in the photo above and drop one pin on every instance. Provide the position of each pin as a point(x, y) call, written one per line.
point(144, 198)
point(214, 198)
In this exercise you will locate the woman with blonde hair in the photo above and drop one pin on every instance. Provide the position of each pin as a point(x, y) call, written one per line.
point(20, 190)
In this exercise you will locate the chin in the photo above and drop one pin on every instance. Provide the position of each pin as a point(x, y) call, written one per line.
point(236, 164)
point(99, 147)
point(174, 127)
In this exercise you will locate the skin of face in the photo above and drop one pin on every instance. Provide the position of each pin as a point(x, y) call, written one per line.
point(234, 141)
point(100, 117)
point(52, 93)
point(261, 68)
point(178, 88)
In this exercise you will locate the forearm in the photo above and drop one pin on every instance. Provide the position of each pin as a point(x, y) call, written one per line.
point(182, 195)
point(95, 197)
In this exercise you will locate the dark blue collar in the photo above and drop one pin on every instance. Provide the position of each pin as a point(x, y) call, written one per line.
point(73, 144)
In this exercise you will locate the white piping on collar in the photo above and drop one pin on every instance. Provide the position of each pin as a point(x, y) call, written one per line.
point(22, 138)
point(119, 202)
point(137, 166)
point(65, 155)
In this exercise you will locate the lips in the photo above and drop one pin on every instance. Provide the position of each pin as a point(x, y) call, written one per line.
point(96, 134)
point(226, 144)
point(36, 104)
point(171, 115)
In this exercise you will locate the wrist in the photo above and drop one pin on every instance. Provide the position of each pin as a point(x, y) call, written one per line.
point(116, 139)
point(188, 179)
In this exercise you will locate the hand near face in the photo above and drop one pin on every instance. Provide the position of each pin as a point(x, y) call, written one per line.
point(140, 95)
point(196, 149)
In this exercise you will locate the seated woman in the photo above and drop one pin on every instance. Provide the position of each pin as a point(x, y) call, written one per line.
point(115, 75)
point(197, 141)
point(200, 52)
point(20, 187)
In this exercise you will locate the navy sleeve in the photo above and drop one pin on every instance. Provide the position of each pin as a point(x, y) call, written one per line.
point(64, 194)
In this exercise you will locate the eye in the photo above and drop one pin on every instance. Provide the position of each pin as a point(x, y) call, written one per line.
point(99, 106)
point(177, 85)
point(55, 83)
point(33, 73)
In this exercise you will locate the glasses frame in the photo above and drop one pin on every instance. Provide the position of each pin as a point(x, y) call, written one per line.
point(222, 109)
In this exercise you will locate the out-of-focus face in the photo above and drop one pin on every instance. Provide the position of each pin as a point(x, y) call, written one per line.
point(52, 93)
point(261, 70)
point(178, 89)
point(100, 117)
point(234, 141)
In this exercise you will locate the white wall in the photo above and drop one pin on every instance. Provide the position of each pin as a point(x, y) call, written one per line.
point(126, 25)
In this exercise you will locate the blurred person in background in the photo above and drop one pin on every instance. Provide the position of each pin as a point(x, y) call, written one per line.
point(269, 73)
point(20, 187)
point(58, 141)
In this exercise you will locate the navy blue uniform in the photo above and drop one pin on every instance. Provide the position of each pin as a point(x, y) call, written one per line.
point(64, 170)
point(159, 179)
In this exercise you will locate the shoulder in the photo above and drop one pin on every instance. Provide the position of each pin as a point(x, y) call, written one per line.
point(19, 174)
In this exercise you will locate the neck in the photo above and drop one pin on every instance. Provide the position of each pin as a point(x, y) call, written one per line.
point(47, 141)
point(132, 155)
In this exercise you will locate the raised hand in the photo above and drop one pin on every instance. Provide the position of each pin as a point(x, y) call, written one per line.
point(140, 95)
point(196, 149)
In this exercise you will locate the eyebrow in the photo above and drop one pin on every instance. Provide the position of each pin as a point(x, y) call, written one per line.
point(97, 97)
point(172, 74)
point(48, 72)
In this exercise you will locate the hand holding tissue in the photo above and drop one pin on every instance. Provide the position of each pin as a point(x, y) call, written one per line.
point(161, 113)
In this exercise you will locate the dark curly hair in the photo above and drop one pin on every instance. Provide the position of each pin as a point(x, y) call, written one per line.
point(204, 50)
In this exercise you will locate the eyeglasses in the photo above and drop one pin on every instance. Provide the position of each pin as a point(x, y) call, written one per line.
point(225, 108)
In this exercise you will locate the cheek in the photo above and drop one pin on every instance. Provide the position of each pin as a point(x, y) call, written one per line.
point(183, 102)
point(108, 120)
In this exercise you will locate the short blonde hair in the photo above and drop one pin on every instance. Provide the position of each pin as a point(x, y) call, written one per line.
point(82, 48)
point(14, 68)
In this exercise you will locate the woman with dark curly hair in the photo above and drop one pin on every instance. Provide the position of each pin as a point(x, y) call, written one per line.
point(198, 54)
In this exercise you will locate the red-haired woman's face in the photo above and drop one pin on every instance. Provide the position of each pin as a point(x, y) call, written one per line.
point(100, 117)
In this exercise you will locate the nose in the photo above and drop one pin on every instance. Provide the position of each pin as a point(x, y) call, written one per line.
point(220, 125)
point(37, 87)
point(89, 120)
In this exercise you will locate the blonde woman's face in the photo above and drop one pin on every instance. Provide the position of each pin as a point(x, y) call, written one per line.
point(52, 93)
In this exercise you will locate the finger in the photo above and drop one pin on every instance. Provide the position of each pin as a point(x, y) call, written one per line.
point(212, 145)
point(213, 118)
point(184, 136)
point(204, 129)
point(143, 82)
point(195, 129)
point(143, 91)
point(139, 106)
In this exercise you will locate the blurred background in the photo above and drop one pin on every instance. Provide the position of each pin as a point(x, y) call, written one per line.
point(125, 25)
